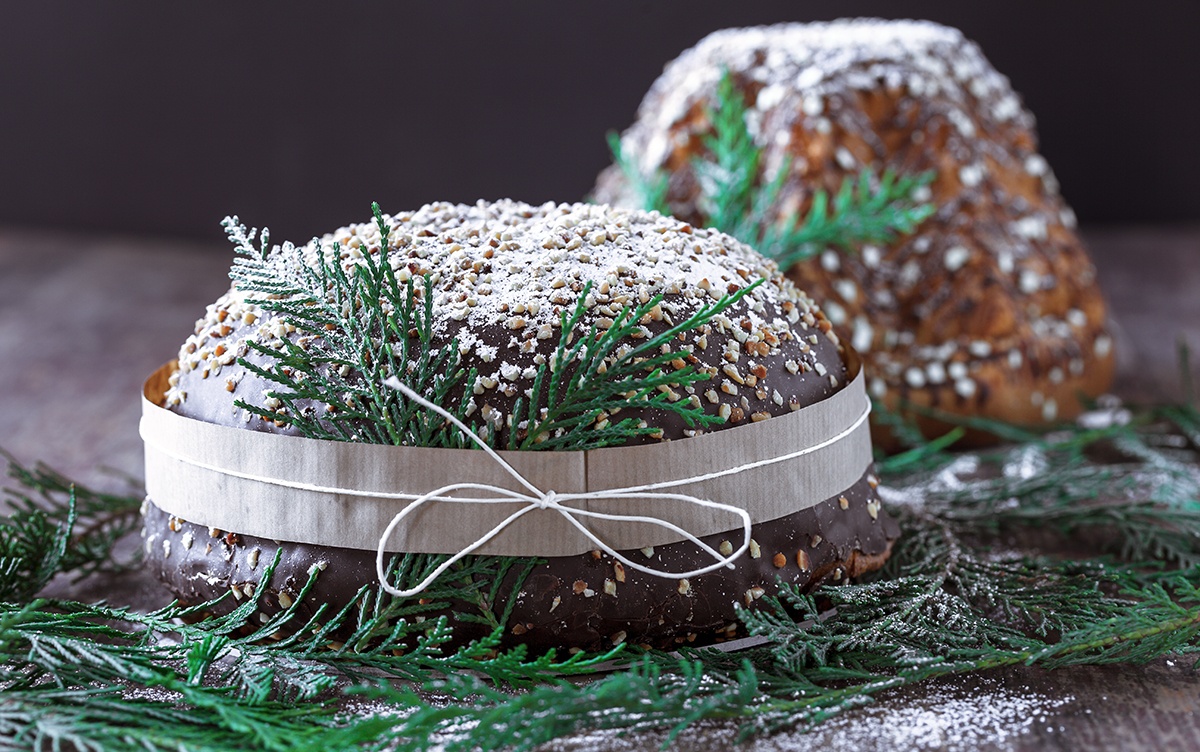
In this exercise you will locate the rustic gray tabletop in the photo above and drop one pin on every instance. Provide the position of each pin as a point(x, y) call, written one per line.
point(84, 319)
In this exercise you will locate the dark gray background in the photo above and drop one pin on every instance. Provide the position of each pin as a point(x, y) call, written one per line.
point(142, 117)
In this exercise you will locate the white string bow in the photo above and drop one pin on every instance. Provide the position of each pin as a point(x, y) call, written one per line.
point(539, 499)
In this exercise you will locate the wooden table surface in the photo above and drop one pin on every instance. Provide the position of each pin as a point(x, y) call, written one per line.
point(83, 320)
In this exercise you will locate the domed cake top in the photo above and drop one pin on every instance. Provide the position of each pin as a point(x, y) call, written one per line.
point(501, 279)
point(823, 59)
point(522, 266)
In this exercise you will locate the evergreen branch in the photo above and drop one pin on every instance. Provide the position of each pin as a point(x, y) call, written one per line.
point(736, 196)
point(101, 677)
point(57, 526)
point(31, 551)
point(107, 719)
point(869, 209)
point(591, 377)
point(355, 329)
point(651, 192)
point(728, 175)
point(925, 455)
point(1145, 499)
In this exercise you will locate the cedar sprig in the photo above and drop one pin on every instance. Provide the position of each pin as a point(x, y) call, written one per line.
point(1141, 498)
point(651, 191)
point(592, 376)
point(57, 526)
point(729, 173)
point(737, 198)
point(355, 328)
point(948, 604)
point(32, 548)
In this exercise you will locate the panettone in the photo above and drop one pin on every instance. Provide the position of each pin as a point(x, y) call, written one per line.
point(991, 307)
point(499, 277)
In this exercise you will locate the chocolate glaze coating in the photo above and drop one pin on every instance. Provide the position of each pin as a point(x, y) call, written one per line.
point(499, 277)
point(582, 601)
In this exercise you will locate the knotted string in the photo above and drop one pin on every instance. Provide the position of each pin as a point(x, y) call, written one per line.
point(534, 498)
point(539, 499)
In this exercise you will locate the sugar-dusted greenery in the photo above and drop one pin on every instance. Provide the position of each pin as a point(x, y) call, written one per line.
point(373, 326)
point(978, 581)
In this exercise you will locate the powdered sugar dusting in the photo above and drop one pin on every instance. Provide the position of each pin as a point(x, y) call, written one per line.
point(828, 100)
point(985, 714)
point(951, 715)
point(820, 59)
point(523, 265)
point(501, 276)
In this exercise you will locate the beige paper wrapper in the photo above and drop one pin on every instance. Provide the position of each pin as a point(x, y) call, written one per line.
point(253, 507)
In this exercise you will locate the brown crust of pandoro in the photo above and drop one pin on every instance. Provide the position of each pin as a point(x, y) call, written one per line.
point(991, 308)
point(771, 354)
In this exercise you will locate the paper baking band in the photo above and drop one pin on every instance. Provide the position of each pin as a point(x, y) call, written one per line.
point(289, 488)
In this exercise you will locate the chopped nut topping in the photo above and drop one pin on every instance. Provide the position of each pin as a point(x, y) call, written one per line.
point(803, 561)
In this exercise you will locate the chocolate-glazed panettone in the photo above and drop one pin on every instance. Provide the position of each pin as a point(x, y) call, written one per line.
point(500, 276)
point(991, 307)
